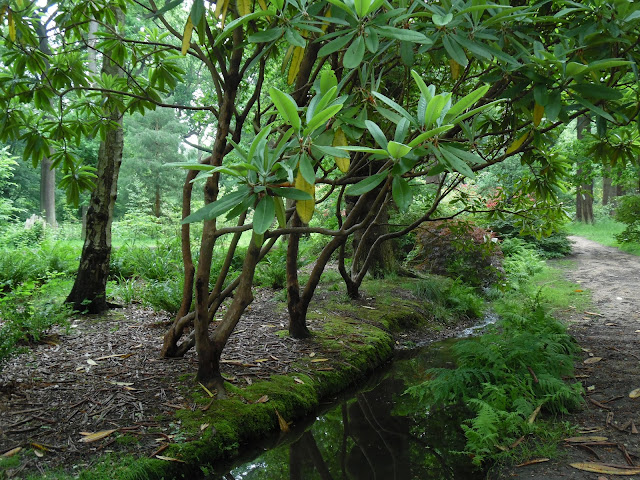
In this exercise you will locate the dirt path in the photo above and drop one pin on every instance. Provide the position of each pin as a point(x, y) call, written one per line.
point(610, 330)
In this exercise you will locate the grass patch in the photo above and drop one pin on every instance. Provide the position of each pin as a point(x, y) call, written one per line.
point(603, 231)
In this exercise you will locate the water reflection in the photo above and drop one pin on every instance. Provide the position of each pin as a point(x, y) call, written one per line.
point(376, 433)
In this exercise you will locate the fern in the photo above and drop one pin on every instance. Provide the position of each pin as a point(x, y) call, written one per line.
point(503, 376)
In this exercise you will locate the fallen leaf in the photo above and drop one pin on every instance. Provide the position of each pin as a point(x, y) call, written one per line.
point(634, 393)
point(533, 461)
point(535, 413)
point(601, 468)
point(585, 439)
point(297, 380)
point(38, 453)
point(94, 437)
point(578, 290)
point(284, 426)
point(315, 360)
point(611, 324)
point(203, 426)
point(260, 360)
point(591, 388)
point(312, 354)
point(206, 389)
point(169, 459)
point(12, 452)
point(121, 384)
point(91, 362)
point(591, 360)
point(111, 356)
point(263, 399)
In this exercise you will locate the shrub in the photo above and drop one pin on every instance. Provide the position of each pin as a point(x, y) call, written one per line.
point(555, 245)
point(458, 249)
point(628, 212)
point(272, 270)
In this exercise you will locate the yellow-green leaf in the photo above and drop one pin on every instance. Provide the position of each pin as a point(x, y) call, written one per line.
point(455, 69)
point(94, 437)
point(206, 389)
point(12, 27)
point(586, 439)
point(296, 61)
point(538, 112)
point(287, 58)
point(305, 208)
point(517, 144)
point(284, 426)
point(280, 212)
point(244, 7)
point(340, 140)
point(186, 36)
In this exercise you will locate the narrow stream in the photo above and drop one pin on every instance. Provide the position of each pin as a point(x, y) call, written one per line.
point(374, 432)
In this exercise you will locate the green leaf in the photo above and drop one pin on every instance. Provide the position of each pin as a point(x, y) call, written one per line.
point(466, 101)
point(220, 206)
point(294, 38)
point(256, 141)
point(354, 54)
point(335, 45)
point(292, 193)
point(434, 109)
point(395, 106)
point(442, 20)
point(397, 150)
point(403, 34)
point(401, 192)
point(366, 185)
point(541, 95)
point(267, 35)
point(356, 148)
point(306, 169)
point(553, 107)
point(321, 118)
point(286, 107)
point(472, 112)
point(376, 133)
point(328, 80)
point(593, 108)
point(426, 93)
point(456, 162)
point(263, 215)
point(371, 40)
point(428, 134)
point(231, 26)
point(281, 215)
point(454, 50)
point(197, 10)
point(599, 92)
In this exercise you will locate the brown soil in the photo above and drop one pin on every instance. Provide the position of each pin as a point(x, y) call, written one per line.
point(609, 330)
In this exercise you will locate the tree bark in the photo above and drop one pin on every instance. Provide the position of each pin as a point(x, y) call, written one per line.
point(89, 290)
point(48, 192)
point(584, 193)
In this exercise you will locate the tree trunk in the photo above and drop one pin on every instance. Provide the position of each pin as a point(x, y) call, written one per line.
point(210, 349)
point(157, 202)
point(48, 192)
point(89, 290)
point(606, 189)
point(297, 309)
point(383, 259)
point(584, 193)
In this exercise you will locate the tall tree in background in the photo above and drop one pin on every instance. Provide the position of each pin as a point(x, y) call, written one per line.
point(584, 190)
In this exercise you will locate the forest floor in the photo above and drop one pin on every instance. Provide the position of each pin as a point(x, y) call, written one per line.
point(608, 331)
point(100, 386)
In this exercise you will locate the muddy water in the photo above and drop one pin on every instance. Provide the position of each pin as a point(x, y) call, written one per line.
point(374, 432)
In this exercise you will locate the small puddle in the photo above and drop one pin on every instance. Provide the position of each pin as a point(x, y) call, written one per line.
point(374, 432)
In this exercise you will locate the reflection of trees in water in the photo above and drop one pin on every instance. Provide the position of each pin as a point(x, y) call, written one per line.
point(377, 435)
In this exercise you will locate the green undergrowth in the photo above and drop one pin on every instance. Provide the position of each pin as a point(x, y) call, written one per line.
point(604, 231)
point(513, 378)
